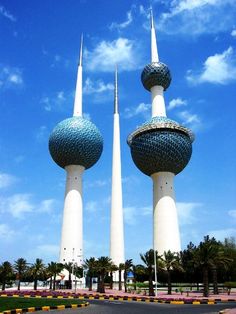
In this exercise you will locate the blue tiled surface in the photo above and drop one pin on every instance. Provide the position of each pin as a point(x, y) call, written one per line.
point(75, 141)
point(156, 73)
point(163, 149)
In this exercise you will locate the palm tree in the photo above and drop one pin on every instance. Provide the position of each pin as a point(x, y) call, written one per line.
point(69, 267)
point(128, 265)
point(103, 267)
point(137, 270)
point(121, 267)
point(148, 260)
point(208, 256)
point(90, 265)
point(6, 273)
point(220, 261)
point(54, 269)
point(20, 267)
point(37, 270)
point(112, 270)
point(170, 262)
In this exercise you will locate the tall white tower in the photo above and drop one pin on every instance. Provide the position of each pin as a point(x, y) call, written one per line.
point(161, 148)
point(117, 225)
point(75, 144)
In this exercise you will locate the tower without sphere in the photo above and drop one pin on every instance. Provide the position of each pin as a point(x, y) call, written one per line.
point(75, 144)
point(117, 253)
point(161, 148)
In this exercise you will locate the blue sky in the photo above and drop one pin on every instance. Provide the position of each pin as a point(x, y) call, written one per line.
point(39, 46)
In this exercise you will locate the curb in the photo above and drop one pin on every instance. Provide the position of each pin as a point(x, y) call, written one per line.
point(122, 298)
point(44, 308)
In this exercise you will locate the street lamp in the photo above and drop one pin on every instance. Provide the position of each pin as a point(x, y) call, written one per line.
point(155, 271)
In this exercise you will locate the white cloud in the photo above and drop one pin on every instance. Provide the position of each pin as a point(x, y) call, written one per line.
point(56, 101)
point(142, 108)
point(130, 215)
point(10, 76)
point(47, 206)
point(233, 33)
point(222, 233)
point(127, 22)
point(194, 17)
point(6, 180)
point(7, 14)
point(91, 206)
point(188, 118)
point(6, 233)
point(99, 86)
point(186, 212)
point(58, 60)
point(232, 213)
point(20, 204)
point(176, 102)
point(107, 54)
point(97, 183)
point(217, 69)
point(48, 252)
point(86, 116)
point(17, 205)
point(42, 134)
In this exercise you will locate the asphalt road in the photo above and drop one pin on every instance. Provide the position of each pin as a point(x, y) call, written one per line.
point(124, 307)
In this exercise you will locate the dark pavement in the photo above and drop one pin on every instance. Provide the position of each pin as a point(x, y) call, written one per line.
point(124, 307)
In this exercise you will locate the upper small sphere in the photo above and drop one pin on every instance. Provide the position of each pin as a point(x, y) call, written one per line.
point(75, 141)
point(156, 73)
point(159, 145)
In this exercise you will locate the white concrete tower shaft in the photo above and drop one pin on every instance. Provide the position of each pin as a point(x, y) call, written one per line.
point(117, 225)
point(71, 249)
point(72, 227)
point(158, 101)
point(166, 235)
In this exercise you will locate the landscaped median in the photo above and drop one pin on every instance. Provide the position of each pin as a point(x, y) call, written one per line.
point(21, 304)
point(79, 297)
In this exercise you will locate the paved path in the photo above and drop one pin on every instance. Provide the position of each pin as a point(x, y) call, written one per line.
point(123, 307)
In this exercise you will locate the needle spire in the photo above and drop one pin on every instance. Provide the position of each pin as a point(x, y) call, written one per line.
point(78, 91)
point(154, 51)
point(116, 92)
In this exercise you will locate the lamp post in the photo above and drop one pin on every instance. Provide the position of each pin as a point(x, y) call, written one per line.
point(155, 271)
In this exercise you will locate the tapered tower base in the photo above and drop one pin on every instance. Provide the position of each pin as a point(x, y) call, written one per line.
point(71, 249)
point(166, 234)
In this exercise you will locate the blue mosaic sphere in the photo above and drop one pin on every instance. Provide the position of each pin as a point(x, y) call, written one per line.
point(156, 73)
point(75, 141)
point(159, 145)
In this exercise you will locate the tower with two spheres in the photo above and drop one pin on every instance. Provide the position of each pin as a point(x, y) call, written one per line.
point(161, 148)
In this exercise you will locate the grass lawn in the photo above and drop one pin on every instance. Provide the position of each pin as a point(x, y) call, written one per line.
point(11, 303)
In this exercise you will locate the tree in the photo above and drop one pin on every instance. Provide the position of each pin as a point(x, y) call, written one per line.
point(69, 267)
point(120, 269)
point(6, 273)
point(54, 269)
point(113, 269)
point(20, 268)
point(37, 270)
point(207, 256)
point(229, 248)
point(170, 262)
point(148, 260)
point(127, 268)
point(90, 265)
point(103, 266)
